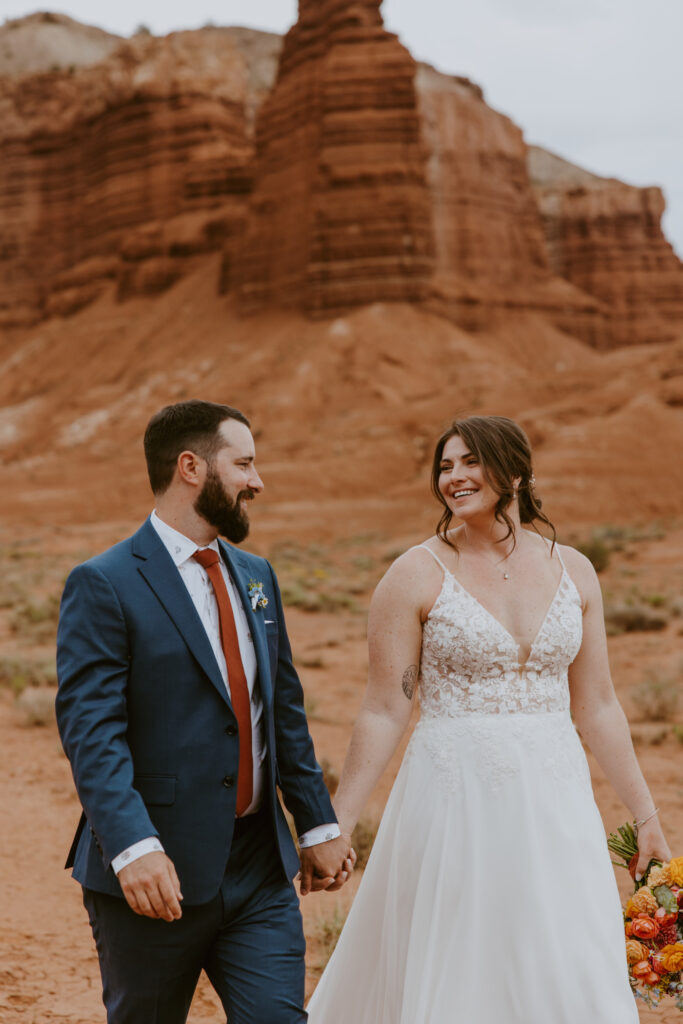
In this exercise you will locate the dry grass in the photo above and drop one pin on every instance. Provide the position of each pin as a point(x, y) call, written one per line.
point(657, 698)
point(363, 840)
point(37, 704)
point(649, 734)
point(330, 775)
point(328, 928)
point(633, 618)
point(319, 579)
point(20, 673)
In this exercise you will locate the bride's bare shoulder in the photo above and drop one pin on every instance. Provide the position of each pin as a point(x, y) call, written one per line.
point(416, 572)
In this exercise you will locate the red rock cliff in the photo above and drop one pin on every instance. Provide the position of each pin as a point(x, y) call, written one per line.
point(606, 238)
point(127, 171)
point(490, 251)
point(341, 212)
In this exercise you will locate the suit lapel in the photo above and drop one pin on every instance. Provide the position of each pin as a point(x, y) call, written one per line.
point(238, 566)
point(160, 572)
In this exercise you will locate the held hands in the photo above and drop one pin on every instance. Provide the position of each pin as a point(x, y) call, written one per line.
point(326, 865)
point(651, 846)
point(151, 887)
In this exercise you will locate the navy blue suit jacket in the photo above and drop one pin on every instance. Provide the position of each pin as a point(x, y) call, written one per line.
point(148, 727)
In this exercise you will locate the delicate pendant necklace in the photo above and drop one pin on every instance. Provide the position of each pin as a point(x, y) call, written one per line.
point(506, 575)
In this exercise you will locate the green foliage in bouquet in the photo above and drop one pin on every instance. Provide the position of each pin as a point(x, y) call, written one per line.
point(624, 843)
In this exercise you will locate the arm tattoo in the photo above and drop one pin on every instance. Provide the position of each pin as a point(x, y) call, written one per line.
point(409, 681)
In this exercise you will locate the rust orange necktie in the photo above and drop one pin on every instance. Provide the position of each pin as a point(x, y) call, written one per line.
point(239, 690)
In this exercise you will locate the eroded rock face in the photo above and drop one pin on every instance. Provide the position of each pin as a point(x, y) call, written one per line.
point(490, 251)
point(348, 176)
point(606, 238)
point(126, 171)
point(341, 211)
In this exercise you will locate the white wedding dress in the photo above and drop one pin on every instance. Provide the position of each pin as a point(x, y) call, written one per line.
point(489, 897)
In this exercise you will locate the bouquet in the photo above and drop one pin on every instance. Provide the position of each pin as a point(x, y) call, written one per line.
point(653, 922)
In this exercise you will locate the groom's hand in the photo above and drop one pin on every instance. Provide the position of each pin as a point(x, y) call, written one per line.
point(151, 887)
point(326, 865)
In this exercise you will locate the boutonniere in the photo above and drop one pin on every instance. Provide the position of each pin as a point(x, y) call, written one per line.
point(256, 596)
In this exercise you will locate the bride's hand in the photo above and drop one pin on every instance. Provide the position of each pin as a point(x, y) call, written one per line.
point(651, 846)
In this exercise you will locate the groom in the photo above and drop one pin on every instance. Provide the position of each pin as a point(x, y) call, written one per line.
point(180, 711)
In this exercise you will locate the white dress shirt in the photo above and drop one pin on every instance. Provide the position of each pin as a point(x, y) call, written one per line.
point(200, 589)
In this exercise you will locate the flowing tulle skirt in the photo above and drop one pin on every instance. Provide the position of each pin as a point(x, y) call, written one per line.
point(489, 897)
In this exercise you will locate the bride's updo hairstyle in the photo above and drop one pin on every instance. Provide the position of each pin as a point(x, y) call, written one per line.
point(503, 451)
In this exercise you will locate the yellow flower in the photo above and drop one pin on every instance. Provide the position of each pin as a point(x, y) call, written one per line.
point(676, 871)
point(672, 957)
point(659, 876)
point(642, 902)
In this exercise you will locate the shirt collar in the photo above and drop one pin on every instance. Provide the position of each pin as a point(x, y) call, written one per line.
point(179, 547)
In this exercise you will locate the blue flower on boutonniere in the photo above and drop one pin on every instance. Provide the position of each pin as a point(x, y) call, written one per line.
point(256, 596)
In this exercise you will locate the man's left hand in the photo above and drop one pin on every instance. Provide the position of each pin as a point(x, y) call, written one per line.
point(326, 865)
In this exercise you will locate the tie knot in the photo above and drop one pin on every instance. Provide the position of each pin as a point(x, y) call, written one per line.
point(206, 557)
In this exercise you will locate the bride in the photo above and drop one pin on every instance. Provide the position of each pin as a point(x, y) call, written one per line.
point(489, 897)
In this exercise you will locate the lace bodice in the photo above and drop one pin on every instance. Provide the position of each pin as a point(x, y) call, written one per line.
point(470, 662)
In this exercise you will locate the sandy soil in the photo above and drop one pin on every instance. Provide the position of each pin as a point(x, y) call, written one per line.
point(49, 970)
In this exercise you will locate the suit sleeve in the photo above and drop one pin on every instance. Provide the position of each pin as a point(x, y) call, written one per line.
point(92, 671)
point(301, 779)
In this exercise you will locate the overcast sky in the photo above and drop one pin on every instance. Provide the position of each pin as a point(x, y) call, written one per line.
point(598, 81)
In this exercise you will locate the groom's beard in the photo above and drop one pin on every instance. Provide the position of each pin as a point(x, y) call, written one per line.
point(226, 516)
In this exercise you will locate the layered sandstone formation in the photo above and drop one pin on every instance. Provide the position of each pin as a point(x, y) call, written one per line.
point(48, 42)
point(126, 172)
point(606, 238)
point(341, 212)
point(347, 176)
point(490, 251)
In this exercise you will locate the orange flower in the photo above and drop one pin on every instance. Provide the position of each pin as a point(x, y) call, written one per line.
point(642, 902)
point(672, 957)
point(641, 969)
point(636, 951)
point(658, 876)
point(644, 927)
point(676, 871)
point(658, 964)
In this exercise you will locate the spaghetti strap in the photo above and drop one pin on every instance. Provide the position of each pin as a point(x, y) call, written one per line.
point(559, 555)
point(435, 557)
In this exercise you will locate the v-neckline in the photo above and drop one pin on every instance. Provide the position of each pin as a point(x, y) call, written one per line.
point(520, 664)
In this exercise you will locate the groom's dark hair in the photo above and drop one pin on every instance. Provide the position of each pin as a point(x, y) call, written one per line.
point(185, 426)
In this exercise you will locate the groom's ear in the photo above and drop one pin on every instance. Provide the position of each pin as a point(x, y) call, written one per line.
point(191, 469)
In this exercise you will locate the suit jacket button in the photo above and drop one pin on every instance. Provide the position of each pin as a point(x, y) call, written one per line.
point(229, 781)
point(231, 730)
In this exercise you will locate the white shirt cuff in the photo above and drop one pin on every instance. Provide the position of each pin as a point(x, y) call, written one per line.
point(319, 834)
point(134, 852)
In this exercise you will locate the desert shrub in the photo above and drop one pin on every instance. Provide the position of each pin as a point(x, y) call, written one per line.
point(327, 931)
point(37, 704)
point(678, 733)
point(633, 618)
point(657, 698)
point(596, 551)
point(36, 619)
point(650, 734)
point(311, 661)
point(330, 775)
point(310, 706)
point(363, 839)
point(308, 596)
point(19, 674)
